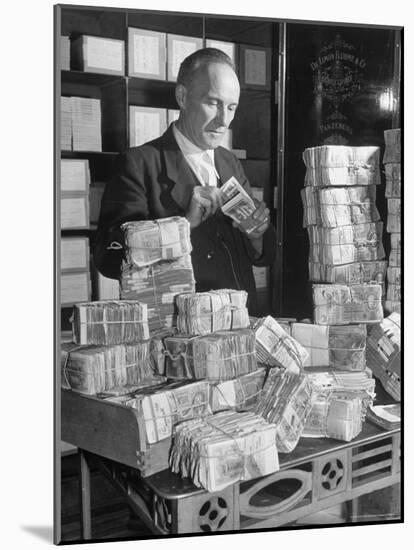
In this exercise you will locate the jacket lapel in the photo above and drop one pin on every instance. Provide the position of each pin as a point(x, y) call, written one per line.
point(224, 169)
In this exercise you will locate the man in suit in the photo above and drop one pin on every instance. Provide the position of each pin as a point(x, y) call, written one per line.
point(180, 174)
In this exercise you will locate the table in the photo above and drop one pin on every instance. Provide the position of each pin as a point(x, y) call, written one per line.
point(318, 474)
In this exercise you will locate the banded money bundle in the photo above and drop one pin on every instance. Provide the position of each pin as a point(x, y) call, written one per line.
point(393, 180)
point(394, 216)
point(110, 322)
point(346, 244)
point(386, 416)
point(151, 241)
point(157, 286)
point(157, 349)
point(161, 408)
point(392, 151)
point(287, 400)
point(238, 204)
point(224, 448)
point(384, 353)
point(216, 357)
point(394, 293)
point(339, 347)
point(394, 275)
point(395, 253)
point(240, 393)
point(392, 306)
point(206, 312)
point(337, 415)
point(98, 369)
point(343, 305)
point(276, 348)
point(350, 274)
point(333, 207)
point(338, 165)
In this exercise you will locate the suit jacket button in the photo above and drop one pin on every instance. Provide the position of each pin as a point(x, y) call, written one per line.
point(210, 254)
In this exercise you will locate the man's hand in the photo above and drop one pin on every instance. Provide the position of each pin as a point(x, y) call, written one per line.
point(262, 217)
point(203, 204)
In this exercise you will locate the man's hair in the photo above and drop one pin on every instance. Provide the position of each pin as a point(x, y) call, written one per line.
point(198, 59)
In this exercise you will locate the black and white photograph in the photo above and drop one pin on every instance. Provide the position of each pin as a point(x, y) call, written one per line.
point(227, 252)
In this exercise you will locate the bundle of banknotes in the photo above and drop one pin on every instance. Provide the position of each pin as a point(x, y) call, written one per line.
point(333, 207)
point(339, 347)
point(219, 450)
point(338, 165)
point(157, 349)
point(241, 393)
point(101, 369)
point(206, 312)
point(394, 216)
point(393, 180)
point(337, 415)
point(394, 275)
point(392, 151)
point(219, 356)
point(384, 353)
point(346, 244)
point(391, 307)
point(157, 286)
point(393, 293)
point(350, 274)
point(395, 252)
point(287, 400)
point(276, 348)
point(238, 204)
point(108, 322)
point(151, 241)
point(344, 305)
point(385, 416)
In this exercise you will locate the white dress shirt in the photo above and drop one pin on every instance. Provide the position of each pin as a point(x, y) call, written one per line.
point(201, 161)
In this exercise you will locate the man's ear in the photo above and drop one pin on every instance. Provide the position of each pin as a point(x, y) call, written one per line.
point(181, 95)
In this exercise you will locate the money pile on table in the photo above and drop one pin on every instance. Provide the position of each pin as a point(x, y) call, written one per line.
point(384, 353)
point(385, 416)
point(337, 415)
point(287, 400)
point(94, 370)
point(219, 356)
point(343, 304)
point(276, 348)
point(108, 322)
point(222, 449)
point(241, 393)
point(350, 274)
point(205, 312)
point(157, 286)
point(340, 347)
point(238, 204)
point(338, 165)
point(392, 165)
point(150, 241)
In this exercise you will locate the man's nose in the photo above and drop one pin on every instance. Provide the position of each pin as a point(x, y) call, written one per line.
point(224, 116)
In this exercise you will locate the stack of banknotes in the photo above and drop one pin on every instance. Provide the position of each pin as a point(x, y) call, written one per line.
point(338, 165)
point(157, 286)
point(393, 180)
point(343, 305)
point(219, 356)
point(340, 347)
point(394, 216)
point(395, 253)
point(337, 415)
point(350, 274)
point(338, 206)
point(287, 400)
point(384, 353)
point(393, 301)
point(238, 204)
point(276, 348)
point(94, 370)
point(241, 393)
point(385, 416)
point(219, 450)
point(157, 349)
point(151, 241)
point(346, 244)
point(206, 312)
point(392, 153)
point(108, 322)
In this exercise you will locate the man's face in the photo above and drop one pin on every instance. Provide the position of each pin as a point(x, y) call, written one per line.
point(208, 105)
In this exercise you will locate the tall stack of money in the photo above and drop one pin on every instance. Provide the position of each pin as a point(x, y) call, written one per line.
point(157, 267)
point(116, 369)
point(384, 353)
point(287, 400)
point(343, 222)
point(219, 450)
point(392, 166)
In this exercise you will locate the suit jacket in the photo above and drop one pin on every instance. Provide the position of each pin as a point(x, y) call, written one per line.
point(155, 181)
